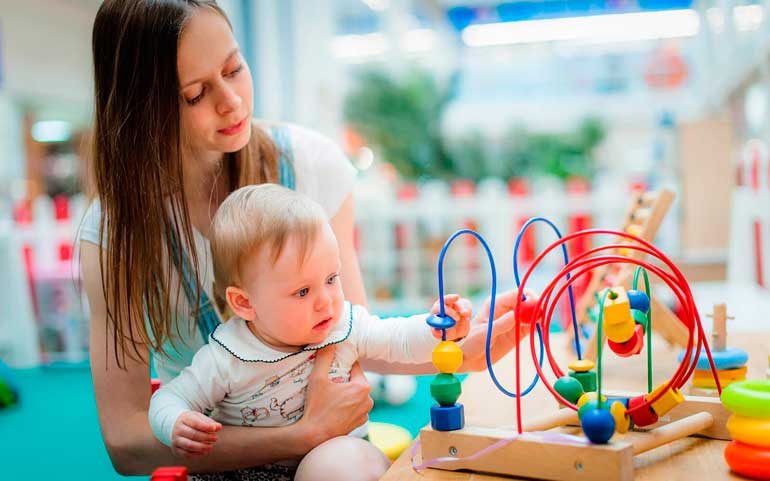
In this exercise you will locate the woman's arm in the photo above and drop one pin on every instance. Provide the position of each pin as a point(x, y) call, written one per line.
point(342, 225)
point(503, 339)
point(474, 347)
point(123, 398)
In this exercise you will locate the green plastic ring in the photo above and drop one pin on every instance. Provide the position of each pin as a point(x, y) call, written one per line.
point(750, 398)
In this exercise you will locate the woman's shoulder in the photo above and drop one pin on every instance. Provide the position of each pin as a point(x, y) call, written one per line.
point(91, 222)
point(307, 144)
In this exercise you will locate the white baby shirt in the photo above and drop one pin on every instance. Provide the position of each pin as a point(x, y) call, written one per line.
point(243, 382)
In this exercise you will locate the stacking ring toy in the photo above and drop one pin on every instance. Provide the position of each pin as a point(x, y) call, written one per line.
point(730, 358)
point(752, 431)
point(747, 460)
point(750, 398)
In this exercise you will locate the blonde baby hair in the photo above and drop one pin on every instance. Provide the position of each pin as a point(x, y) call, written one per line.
point(258, 217)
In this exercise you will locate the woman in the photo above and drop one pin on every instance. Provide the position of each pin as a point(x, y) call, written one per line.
point(173, 136)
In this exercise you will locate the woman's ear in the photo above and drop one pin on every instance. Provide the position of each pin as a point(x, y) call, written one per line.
point(238, 300)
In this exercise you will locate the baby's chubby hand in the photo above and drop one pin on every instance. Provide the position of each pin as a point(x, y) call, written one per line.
point(194, 434)
point(459, 309)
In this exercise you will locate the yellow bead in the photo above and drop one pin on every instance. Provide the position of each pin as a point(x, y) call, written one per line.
point(447, 357)
point(667, 402)
point(581, 365)
point(617, 310)
point(620, 332)
point(589, 396)
point(622, 420)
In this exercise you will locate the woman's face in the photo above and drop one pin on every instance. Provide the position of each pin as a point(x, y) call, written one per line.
point(215, 86)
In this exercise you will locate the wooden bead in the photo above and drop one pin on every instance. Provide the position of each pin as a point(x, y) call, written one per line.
point(447, 357)
point(587, 379)
point(620, 332)
point(632, 346)
point(670, 399)
point(447, 418)
point(581, 365)
point(598, 425)
point(639, 317)
point(641, 417)
point(622, 419)
point(617, 309)
point(445, 389)
point(569, 388)
point(589, 396)
point(638, 300)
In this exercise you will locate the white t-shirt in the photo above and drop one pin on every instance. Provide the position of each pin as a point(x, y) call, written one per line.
point(244, 382)
point(322, 172)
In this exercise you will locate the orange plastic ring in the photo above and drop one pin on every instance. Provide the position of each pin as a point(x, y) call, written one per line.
point(748, 460)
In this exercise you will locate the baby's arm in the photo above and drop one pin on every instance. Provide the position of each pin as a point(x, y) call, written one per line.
point(399, 339)
point(176, 408)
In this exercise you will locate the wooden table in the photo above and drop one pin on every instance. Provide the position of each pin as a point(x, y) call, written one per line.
point(688, 459)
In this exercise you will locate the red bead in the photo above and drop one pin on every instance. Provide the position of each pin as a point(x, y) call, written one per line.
point(632, 346)
point(528, 312)
point(641, 417)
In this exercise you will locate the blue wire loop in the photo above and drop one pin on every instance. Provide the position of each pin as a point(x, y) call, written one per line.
point(439, 321)
point(537, 324)
point(566, 262)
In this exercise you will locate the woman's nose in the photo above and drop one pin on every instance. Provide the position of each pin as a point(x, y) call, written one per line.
point(230, 101)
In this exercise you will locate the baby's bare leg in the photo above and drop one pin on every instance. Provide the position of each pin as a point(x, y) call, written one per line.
point(344, 458)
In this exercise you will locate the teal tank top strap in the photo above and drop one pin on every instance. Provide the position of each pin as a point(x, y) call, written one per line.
point(280, 135)
point(208, 319)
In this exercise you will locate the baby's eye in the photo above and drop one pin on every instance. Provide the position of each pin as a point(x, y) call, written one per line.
point(303, 292)
point(331, 279)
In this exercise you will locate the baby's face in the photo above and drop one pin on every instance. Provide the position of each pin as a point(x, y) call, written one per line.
point(296, 301)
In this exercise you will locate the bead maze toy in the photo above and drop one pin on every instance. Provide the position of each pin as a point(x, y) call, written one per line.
point(730, 362)
point(615, 425)
point(643, 220)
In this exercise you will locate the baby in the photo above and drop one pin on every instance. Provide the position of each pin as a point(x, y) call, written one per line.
point(275, 251)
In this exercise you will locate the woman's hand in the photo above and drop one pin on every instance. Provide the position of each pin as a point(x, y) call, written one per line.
point(503, 333)
point(334, 409)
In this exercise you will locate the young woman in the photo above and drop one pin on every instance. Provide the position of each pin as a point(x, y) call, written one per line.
point(173, 136)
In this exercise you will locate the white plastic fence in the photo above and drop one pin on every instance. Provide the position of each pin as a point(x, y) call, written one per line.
point(749, 256)
point(399, 234)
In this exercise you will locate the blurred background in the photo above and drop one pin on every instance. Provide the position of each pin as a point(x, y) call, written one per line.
point(473, 113)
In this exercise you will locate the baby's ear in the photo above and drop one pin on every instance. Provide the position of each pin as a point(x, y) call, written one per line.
point(238, 300)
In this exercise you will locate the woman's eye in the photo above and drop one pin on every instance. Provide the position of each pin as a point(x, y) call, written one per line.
point(196, 99)
point(303, 292)
point(234, 72)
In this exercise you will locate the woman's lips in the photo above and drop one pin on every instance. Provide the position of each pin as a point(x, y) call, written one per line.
point(233, 129)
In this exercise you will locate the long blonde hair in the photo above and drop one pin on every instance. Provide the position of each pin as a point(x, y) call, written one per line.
point(137, 166)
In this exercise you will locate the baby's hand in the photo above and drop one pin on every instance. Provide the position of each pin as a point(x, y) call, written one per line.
point(193, 434)
point(460, 310)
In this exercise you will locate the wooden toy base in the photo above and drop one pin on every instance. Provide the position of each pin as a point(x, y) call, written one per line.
point(534, 455)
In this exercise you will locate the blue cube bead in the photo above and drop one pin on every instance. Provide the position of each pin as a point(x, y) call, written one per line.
point(447, 418)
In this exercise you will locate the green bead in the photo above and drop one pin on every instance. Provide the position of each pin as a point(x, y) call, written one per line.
point(639, 317)
point(587, 379)
point(569, 388)
point(592, 404)
point(445, 389)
